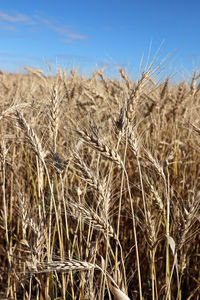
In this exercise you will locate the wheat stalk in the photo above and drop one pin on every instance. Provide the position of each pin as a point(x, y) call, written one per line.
point(13, 109)
point(54, 115)
point(193, 84)
point(185, 232)
point(32, 137)
point(90, 216)
point(63, 266)
point(126, 79)
point(164, 90)
point(88, 176)
point(75, 265)
point(96, 144)
point(133, 99)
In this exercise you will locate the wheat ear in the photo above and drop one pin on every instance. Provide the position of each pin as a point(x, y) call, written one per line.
point(96, 144)
point(63, 266)
point(31, 136)
point(89, 176)
point(92, 217)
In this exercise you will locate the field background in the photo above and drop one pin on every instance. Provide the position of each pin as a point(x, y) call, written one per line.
point(99, 187)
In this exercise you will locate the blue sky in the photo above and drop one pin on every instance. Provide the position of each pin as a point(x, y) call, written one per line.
point(89, 34)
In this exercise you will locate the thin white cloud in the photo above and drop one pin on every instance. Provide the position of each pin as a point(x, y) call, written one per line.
point(75, 36)
point(16, 17)
point(64, 31)
point(20, 59)
point(10, 21)
point(72, 57)
point(70, 41)
point(10, 28)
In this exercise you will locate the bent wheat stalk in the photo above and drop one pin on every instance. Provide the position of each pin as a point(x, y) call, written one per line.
point(75, 265)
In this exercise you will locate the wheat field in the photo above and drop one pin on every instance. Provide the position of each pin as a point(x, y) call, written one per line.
point(100, 186)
